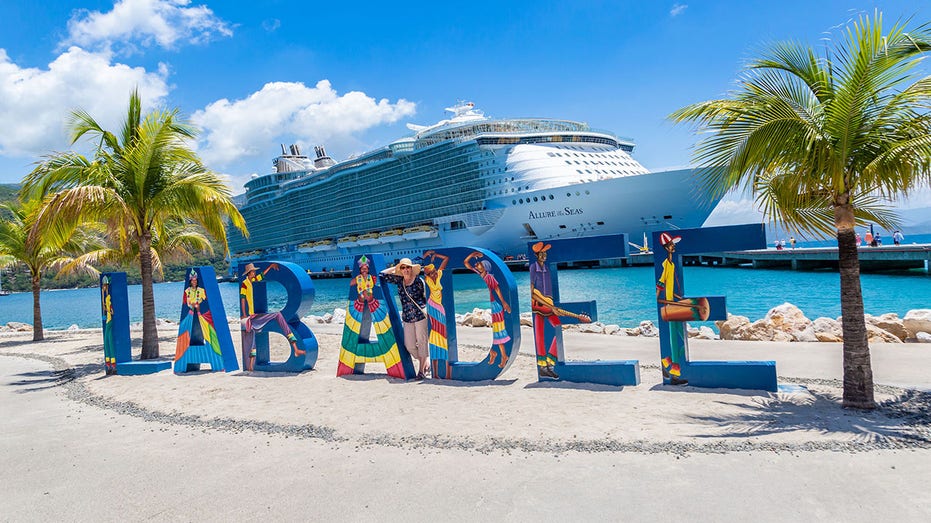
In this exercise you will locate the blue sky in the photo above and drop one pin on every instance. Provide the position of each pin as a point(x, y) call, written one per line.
point(349, 75)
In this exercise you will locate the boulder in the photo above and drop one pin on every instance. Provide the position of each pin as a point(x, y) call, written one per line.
point(828, 330)
point(592, 328)
point(339, 316)
point(915, 321)
point(789, 320)
point(19, 326)
point(890, 323)
point(730, 328)
point(874, 334)
point(327, 317)
point(632, 332)
point(648, 329)
point(73, 328)
point(477, 318)
point(526, 319)
point(706, 333)
point(611, 329)
point(923, 337)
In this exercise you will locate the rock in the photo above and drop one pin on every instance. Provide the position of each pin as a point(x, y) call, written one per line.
point(18, 326)
point(730, 329)
point(915, 321)
point(875, 334)
point(692, 331)
point(477, 318)
point(706, 333)
point(327, 317)
point(526, 319)
point(632, 332)
point(571, 327)
point(789, 320)
point(73, 328)
point(339, 316)
point(611, 329)
point(923, 337)
point(828, 330)
point(648, 329)
point(592, 328)
point(890, 323)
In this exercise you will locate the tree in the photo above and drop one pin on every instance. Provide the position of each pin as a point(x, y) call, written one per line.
point(825, 142)
point(39, 252)
point(137, 182)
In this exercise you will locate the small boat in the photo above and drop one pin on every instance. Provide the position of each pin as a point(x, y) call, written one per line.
point(322, 245)
point(369, 239)
point(393, 235)
point(420, 232)
point(347, 241)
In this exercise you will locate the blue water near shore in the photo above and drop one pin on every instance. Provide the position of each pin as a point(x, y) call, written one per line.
point(625, 296)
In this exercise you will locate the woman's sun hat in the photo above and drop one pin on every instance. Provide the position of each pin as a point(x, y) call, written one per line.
point(406, 262)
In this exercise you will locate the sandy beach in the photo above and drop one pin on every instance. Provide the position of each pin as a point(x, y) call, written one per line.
point(216, 446)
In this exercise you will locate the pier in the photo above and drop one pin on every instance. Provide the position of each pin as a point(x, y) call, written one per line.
point(872, 259)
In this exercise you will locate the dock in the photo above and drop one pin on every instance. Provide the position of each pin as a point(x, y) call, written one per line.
point(872, 259)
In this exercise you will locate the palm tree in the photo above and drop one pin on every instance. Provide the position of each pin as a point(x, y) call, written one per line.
point(137, 181)
point(824, 142)
point(40, 253)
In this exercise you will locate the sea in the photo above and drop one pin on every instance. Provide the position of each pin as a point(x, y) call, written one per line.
point(624, 296)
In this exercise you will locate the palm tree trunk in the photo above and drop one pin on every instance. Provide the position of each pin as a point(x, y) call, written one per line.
point(858, 372)
point(37, 332)
point(149, 329)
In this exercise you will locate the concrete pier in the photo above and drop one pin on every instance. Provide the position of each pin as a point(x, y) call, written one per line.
point(872, 259)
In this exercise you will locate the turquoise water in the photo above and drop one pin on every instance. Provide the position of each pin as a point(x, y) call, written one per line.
point(625, 296)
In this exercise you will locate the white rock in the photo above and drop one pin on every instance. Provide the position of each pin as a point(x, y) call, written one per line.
point(73, 328)
point(731, 328)
point(706, 333)
point(648, 329)
point(890, 323)
point(875, 334)
point(917, 320)
point(611, 329)
point(923, 337)
point(339, 316)
point(591, 328)
point(327, 317)
point(827, 329)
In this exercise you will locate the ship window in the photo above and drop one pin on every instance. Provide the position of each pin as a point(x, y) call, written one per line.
point(534, 198)
point(551, 197)
point(521, 200)
point(667, 217)
point(513, 202)
point(586, 192)
point(562, 226)
point(568, 195)
point(601, 223)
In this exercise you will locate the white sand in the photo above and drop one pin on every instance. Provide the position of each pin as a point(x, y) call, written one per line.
point(504, 449)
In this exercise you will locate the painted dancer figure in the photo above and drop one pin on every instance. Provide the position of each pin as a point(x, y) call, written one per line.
point(666, 294)
point(196, 327)
point(436, 313)
point(498, 308)
point(253, 322)
point(545, 311)
point(109, 346)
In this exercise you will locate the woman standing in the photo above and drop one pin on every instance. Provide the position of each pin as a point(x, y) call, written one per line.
point(439, 348)
point(498, 308)
point(413, 293)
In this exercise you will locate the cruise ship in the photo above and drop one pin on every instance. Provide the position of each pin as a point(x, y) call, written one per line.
point(469, 180)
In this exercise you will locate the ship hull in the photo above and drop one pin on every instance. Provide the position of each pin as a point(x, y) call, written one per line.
point(658, 201)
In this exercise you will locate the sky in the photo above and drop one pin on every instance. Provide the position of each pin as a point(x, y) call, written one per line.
point(350, 75)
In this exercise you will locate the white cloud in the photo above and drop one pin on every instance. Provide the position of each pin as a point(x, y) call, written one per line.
point(678, 9)
point(134, 23)
point(35, 103)
point(251, 127)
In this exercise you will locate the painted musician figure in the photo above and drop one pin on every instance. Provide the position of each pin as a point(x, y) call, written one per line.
point(253, 322)
point(676, 310)
point(544, 310)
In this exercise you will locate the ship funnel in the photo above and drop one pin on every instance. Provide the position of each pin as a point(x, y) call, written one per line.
point(283, 151)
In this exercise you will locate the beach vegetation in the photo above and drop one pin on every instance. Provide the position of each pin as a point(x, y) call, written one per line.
point(139, 182)
point(825, 139)
point(41, 253)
